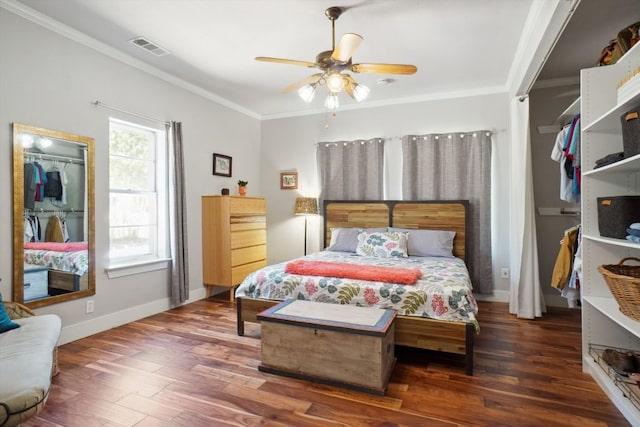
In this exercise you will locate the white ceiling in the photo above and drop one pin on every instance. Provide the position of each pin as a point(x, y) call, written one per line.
point(457, 45)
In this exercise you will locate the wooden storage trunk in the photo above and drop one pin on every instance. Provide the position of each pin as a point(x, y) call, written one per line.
point(335, 344)
point(67, 281)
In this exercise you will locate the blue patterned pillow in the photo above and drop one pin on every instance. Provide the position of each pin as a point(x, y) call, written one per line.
point(6, 324)
point(346, 239)
point(385, 245)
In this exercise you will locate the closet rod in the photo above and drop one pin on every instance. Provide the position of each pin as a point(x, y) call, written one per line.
point(43, 156)
point(110, 107)
point(559, 211)
point(30, 211)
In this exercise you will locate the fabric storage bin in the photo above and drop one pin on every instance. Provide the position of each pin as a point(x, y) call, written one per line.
point(630, 122)
point(36, 282)
point(615, 214)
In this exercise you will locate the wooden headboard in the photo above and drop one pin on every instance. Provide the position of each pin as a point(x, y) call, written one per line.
point(418, 215)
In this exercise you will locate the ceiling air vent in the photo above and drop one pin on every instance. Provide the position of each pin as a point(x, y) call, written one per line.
point(149, 46)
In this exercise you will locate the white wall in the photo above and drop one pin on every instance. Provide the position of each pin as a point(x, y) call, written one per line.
point(49, 81)
point(289, 144)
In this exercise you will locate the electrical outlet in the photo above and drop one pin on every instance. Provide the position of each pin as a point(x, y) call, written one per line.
point(504, 273)
point(91, 305)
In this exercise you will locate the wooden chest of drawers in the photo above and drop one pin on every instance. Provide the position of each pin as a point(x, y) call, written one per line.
point(234, 239)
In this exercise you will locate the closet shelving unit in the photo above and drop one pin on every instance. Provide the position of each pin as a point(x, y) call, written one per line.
point(563, 118)
point(602, 322)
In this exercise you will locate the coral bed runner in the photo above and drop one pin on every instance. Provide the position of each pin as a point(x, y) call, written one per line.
point(405, 276)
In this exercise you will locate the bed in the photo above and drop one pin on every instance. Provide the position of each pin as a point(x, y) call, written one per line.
point(67, 263)
point(438, 312)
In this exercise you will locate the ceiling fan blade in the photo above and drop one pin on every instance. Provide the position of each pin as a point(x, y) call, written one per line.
point(346, 46)
point(286, 61)
point(307, 80)
point(384, 68)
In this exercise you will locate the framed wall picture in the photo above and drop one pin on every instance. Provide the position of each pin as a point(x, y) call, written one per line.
point(288, 180)
point(221, 165)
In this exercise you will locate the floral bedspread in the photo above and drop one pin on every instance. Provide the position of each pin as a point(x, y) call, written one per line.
point(76, 262)
point(443, 292)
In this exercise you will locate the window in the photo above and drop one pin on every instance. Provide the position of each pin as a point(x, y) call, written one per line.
point(138, 203)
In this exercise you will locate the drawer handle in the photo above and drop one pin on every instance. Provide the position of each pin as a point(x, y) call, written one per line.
point(631, 116)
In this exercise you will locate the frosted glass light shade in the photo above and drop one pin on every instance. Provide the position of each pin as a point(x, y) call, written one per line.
point(332, 102)
point(307, 92)
point(360, 92)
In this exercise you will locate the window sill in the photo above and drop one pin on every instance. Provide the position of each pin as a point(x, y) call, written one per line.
point(121, 270)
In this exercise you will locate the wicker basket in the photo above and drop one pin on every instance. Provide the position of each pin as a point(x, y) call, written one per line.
point(624, 283)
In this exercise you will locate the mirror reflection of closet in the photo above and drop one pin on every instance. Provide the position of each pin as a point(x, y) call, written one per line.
point(53, 229)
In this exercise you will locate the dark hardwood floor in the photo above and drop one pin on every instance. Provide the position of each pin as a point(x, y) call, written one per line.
point(187, 367)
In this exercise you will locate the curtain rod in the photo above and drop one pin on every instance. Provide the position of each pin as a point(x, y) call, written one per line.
point(110, 107)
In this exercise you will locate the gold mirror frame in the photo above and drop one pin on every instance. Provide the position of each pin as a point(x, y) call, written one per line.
point(18, 213)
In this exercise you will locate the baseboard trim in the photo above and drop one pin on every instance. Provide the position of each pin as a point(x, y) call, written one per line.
point(557, 301)
point(503, 296)
point(496, 296)
point(111, 320)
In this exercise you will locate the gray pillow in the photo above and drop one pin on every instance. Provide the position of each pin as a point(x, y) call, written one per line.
point(429, 242)
point(346, 239)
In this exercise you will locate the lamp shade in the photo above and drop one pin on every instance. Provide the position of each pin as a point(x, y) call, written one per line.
point(306, 206)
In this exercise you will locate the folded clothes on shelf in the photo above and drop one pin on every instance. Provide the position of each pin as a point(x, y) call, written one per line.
point(634, 232)
point(609, 159)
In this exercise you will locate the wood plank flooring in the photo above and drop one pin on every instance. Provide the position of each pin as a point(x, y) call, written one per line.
point(187, 367)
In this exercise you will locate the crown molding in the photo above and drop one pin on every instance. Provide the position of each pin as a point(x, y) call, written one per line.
point(64, 30)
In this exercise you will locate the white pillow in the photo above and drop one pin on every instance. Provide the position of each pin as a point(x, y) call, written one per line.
point(346, 239)
point(382, 244)
point(429, 242)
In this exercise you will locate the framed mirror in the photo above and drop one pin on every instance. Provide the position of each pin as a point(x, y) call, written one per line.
point(53, 216)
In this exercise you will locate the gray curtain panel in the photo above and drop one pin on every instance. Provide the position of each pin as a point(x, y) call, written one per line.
point(178, 217)
point(452, 167)
point(351, 170)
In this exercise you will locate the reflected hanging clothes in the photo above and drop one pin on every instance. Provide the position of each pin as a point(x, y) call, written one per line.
point(32, 231)
point(55, 231)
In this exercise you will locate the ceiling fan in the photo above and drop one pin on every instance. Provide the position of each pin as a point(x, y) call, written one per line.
point(334, 64)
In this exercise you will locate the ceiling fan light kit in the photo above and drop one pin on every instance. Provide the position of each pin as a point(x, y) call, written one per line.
point(333, 64)
point(307, 92)
point(360, 92)
point(332, 102)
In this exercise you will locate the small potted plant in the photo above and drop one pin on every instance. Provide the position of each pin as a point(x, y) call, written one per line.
point(242, 187)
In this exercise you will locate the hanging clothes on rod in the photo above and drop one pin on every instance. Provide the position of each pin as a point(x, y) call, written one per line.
point(566, 151)
point(567, 271)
